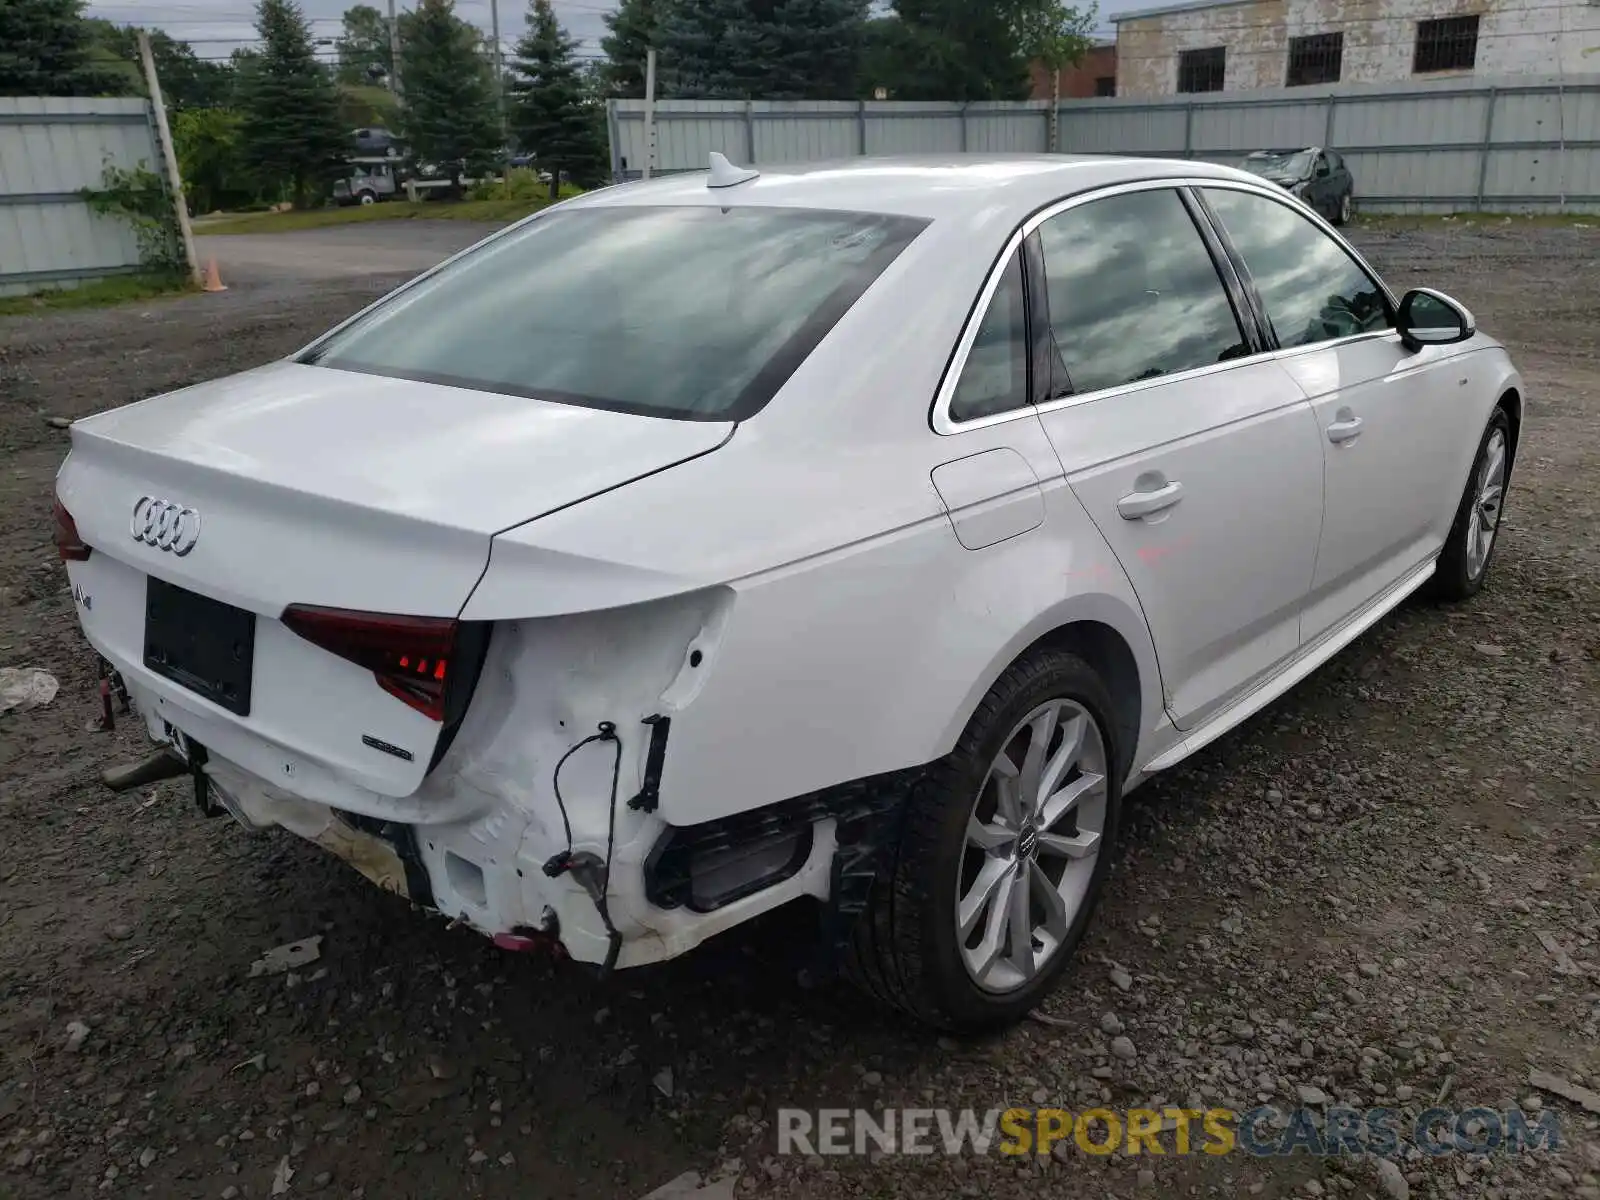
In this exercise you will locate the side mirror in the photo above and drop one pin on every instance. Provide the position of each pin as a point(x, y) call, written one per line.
point(1430, 318)
point(1323, 168)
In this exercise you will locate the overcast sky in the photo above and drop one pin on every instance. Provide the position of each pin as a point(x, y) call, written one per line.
point(216, 27)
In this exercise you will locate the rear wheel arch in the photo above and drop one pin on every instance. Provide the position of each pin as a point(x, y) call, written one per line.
point(1511, 401)
point(1129, 678)
point(1113, 660)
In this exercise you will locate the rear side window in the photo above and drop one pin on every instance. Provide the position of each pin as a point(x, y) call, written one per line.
point(995, 377)
point(694, 313)
point(1133, 292)
point(1312, 289)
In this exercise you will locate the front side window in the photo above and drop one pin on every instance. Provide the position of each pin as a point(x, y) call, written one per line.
point(695, 313)
point(1133, 293)
point(1313, 291)
point(994, 378)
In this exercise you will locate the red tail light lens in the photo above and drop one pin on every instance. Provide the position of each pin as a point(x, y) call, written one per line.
point(409, 656)
point(69, 545)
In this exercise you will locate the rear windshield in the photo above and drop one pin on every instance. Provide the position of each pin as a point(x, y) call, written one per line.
point(694, 313)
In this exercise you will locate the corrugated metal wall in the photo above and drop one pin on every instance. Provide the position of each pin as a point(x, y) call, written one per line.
point(1512, 145)
point(49, 149)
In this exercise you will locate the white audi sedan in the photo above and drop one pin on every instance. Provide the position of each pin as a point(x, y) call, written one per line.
point(860, 532)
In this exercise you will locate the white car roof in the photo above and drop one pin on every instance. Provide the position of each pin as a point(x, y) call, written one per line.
point(929, 186)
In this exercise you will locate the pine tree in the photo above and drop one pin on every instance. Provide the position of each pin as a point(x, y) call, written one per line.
point(363, 45)
point(448, 90)
point(634, 27)
point(815, 46)
point(289, 132)
point(550, 111)
point(762, 49)
point(46, 49)
point(704, 50)
point(968, 49)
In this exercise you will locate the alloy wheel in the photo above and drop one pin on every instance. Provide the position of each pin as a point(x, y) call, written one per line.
point(1484, 520)
point(1032, 840)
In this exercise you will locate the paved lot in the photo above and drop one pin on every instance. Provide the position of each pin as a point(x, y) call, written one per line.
point(1356, 893)
point(338, 251)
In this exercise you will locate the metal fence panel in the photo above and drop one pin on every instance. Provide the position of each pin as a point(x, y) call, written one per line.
point(1515, 144)
point(50, 148)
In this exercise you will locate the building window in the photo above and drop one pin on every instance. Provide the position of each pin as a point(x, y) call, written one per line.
point(1448, 44)
point(1315, 59)
point(1202, 70)
point(1105, 85)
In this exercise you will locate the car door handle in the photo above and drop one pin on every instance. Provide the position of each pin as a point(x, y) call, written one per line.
point(1143, 504)
point(1345, 429)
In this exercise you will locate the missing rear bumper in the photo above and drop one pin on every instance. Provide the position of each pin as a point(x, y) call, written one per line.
point(705, 867)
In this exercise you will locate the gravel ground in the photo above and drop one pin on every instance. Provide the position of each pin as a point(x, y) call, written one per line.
point(1348, 900)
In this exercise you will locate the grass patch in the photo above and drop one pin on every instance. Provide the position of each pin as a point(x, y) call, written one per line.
point(504, 210)
point(119, 289)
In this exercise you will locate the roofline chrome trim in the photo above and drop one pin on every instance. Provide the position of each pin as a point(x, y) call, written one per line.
point(941, 421)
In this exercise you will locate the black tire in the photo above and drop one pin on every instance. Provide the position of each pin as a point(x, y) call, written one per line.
point(905, 949)
point(1453, 579)
point(1340, 215)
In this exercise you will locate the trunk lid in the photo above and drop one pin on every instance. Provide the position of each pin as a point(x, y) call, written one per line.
point(316, 486)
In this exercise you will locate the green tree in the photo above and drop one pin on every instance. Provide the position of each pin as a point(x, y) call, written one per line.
point(762, 49)
point(813, 48)
point(47, 49)
point(966, 49)
point(289, 132)
point(447, 89)
point(363, 46)
point(207, 144)
point(551, 112)
point(1057, 36)
point(704, 49)
point(633, 28)
point(186, 80)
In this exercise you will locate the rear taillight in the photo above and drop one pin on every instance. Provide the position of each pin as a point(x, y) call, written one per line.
point(411, 657)
point(69, 545)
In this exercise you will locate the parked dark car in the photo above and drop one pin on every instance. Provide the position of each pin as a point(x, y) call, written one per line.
point(1318, 176)
point(377, 141)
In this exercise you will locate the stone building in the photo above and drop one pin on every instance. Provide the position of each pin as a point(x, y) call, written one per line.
point(1235, 45)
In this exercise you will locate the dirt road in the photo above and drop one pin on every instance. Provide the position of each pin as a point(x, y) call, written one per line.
point(1348, 895)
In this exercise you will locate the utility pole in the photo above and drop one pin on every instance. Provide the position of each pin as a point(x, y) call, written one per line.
point(649, 110)
point(499, 85)
point(174, 180)
point(394, 51)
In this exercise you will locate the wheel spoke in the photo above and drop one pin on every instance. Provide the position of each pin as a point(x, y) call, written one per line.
point(1007, 790)
point(1041, 732)
point(996, 927)
point(1065, 800)
point(1055, 908)
point(1490, 496)
point(991, 875)
point(1069, 845)
point(1019, 927)
point(1060, 763)
point(1495, 460)
point(988, 837)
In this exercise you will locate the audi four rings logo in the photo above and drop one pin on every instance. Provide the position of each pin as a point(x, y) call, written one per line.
point(165, 525)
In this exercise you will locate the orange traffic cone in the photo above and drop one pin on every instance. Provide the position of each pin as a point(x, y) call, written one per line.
point(213, 281)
